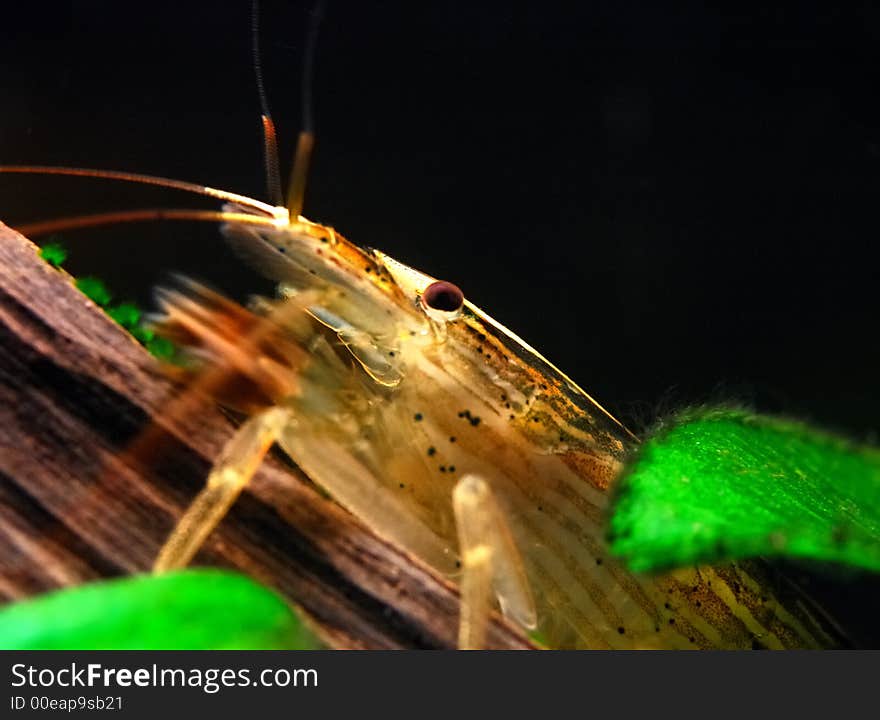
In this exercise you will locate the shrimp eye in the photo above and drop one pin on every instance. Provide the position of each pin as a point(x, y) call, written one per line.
point(443, 296)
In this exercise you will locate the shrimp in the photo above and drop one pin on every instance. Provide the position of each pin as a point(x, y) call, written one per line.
point(449, 436)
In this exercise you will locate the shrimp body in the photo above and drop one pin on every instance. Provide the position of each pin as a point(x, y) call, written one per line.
point(390, 402)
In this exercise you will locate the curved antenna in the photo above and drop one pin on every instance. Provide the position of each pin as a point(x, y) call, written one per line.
point(242, 200)
point(306, 141)
point(270, 142)
point(78, 222)
point(309, 67)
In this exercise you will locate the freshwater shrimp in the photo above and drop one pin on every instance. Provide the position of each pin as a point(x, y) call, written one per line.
point(450, 436)
point(446, 434)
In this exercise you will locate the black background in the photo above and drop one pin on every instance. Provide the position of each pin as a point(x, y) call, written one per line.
point(674, 203)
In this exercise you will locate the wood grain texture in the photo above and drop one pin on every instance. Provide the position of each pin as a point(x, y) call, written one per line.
point(75, 390)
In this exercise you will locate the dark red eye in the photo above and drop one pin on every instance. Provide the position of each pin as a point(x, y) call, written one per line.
point(443, 296)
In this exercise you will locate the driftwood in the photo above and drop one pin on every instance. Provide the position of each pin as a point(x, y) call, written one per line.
point(75, 390)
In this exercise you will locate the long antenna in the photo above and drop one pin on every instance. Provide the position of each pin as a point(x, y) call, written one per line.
point(308, 75)
point(270, 142)
point(306, 141)
point(241, 200)
point(77, 222)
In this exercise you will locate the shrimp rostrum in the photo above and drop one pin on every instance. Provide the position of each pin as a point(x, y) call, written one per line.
point(449, 436)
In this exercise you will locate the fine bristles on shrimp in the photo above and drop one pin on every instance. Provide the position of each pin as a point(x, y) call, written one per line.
point(261, 362)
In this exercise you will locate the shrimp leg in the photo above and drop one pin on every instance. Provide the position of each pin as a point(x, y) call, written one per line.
point(490, 561)
point(238, 461)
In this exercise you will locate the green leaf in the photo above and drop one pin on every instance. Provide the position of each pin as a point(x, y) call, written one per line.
point(54, 254)
point(126, 314)
point(94, 289)
point(190, 610)
point(723, 484)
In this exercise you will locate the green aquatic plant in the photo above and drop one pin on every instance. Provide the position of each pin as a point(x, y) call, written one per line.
point(720, 484)
point(53, 253)
point(197, 609)
point(94, 289)
point(127, 314)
